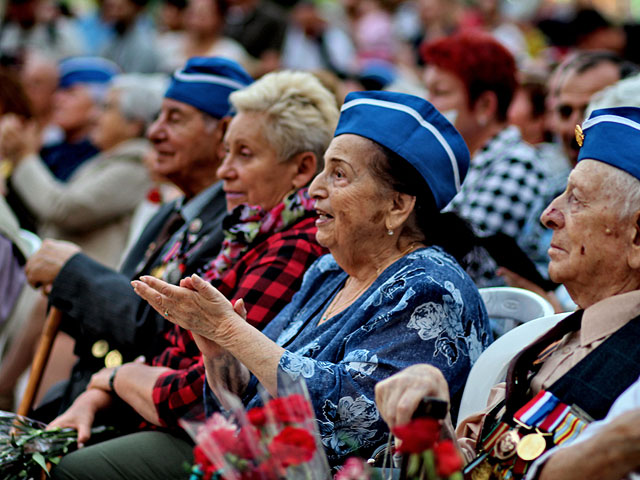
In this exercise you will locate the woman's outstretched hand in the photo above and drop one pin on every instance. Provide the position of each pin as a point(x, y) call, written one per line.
point(195, 305)
point(81, 414)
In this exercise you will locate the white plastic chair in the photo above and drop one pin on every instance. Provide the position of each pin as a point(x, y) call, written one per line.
point(509, 307)
point(491, 367)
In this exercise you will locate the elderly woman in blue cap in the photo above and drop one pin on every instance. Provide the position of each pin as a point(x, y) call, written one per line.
point(386, 297)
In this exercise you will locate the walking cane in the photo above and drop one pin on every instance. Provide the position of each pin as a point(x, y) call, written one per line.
point(39, 363)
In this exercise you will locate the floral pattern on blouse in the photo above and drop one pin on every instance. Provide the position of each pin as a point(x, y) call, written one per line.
point(421, 309)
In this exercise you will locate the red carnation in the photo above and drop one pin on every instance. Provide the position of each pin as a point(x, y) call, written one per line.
point(200, 458)
point(257, 416)
point(418, 435)
point(292, 409)
point(447, 458)
point(293, 446)
point(228, 441)
point(153, 195)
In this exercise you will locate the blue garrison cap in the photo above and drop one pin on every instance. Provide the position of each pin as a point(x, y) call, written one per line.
point(207, 82)
point(412, 128)
point(86, 70)
point(612, 136)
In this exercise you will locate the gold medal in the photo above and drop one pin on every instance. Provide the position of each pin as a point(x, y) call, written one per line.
point(100, 348)
point(158, 271)
point(531, 446)
point(482, 471)
point(579, 135)
point(113, 359)
point(506, 445)
point(195, 225)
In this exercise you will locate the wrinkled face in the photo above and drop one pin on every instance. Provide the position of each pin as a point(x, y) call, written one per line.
point(589, 243)
point(251, 170)
point(111, 126)
point(449, 95)
point(573, 99)
point(181, 139)
point(74, 108)
point(351, 203)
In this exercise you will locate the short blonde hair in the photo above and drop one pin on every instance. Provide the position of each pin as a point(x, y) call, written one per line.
point(302, 114)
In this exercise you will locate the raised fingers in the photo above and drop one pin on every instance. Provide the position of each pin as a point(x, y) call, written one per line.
point(153, 291)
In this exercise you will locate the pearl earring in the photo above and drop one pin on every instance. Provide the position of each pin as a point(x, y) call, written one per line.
point(389, 232)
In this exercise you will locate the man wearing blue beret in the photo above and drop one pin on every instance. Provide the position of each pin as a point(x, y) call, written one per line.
point(573, 374)
point(107, 319)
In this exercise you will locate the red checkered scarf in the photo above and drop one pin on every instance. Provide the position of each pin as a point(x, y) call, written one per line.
point(246, 222)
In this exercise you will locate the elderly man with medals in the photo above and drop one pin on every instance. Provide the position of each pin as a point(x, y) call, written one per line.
point(573, 373)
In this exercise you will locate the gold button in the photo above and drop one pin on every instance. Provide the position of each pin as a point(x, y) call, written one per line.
point(100, 348)
point(113, 359)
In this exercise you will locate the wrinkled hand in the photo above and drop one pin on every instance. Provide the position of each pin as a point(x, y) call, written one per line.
point(18, 138)
point(398, 396)
point(195, 305)
point(81, 414)
point(43, 266)
point(211, 349)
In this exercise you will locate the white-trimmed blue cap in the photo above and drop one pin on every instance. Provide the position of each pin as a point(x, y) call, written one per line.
point(207, 82)
point(86, 70)
point(612, 136)
point(413, 129)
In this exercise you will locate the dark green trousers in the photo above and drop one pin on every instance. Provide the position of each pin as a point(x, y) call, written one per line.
point(138, 456)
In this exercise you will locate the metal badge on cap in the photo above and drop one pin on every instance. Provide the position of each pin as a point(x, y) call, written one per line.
point(579, 135)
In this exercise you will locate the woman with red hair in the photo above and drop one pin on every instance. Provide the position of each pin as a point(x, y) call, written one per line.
point(471, 78)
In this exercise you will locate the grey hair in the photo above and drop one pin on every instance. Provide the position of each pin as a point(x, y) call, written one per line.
point(302, 113)
point(623, 93)
point(627, 191)
point(140, 95)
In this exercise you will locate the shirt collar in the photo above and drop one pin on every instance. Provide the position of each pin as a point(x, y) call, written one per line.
point(609, 315)
point(194, 206)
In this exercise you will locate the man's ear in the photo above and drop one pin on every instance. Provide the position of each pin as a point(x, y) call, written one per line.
point(306, 165)
point(402, 206)
point(634, 255)
point(218, 135)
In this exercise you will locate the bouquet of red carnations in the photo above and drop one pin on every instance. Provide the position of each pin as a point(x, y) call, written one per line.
point(276, 441)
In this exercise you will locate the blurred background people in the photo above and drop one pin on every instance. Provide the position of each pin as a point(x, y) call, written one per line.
point(259, 26)
point(38, 25)
point(93, 207)
point(203, 37)
point(471, 78)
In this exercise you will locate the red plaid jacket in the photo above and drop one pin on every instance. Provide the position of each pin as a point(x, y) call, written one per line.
point(266, 277)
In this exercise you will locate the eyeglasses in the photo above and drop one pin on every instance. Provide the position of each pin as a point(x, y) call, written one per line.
point(565, 111)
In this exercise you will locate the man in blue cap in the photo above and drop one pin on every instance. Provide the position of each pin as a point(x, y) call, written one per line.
point(109, 322)
point(572, 374)
point(82, 85)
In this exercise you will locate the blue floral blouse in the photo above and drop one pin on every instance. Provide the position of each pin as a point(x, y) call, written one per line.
point(421, 309)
